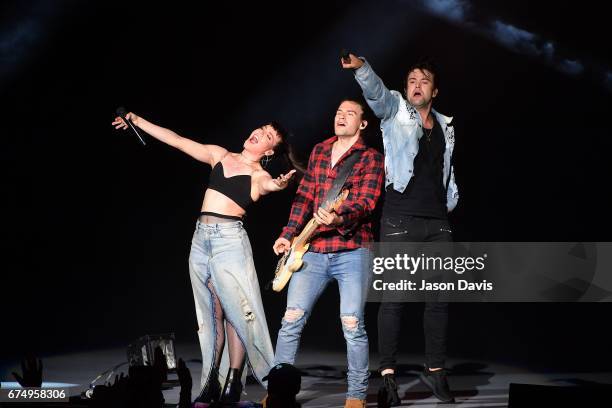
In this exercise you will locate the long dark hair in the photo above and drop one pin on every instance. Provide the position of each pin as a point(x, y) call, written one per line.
point(284, 154)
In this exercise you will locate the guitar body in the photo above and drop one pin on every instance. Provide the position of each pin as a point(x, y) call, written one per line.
point(292, 261)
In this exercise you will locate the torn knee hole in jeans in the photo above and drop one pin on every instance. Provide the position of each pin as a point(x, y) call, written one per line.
point(292, 315)
point(350, 323)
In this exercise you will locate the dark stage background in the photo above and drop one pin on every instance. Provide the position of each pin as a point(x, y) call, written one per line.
point(97, 228)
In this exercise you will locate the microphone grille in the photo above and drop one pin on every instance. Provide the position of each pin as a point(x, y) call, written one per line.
point(121, 111)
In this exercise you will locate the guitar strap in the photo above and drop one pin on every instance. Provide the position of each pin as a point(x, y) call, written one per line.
point(341, 176)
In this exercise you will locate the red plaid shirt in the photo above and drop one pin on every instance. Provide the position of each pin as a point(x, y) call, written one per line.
point(365, 183)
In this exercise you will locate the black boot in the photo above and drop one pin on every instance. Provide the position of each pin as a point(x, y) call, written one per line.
point(212, 391)
point(387, 393)
point(438, 384)
point(232, 389)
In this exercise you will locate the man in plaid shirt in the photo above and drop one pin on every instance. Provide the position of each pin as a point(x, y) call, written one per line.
point(339, 248)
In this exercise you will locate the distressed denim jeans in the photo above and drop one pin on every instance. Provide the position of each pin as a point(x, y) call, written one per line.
point(221, 254)
point(348, 268)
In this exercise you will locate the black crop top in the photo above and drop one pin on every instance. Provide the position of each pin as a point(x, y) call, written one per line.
point(236, 188)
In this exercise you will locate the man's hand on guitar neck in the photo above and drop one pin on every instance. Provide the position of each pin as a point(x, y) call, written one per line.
point(281, 246)
point(322, 217)
point(328, 218)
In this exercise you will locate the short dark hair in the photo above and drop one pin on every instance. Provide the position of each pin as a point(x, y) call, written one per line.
point(282, 132)
point(424, 64)
point(365, 133)
point(358, 102)
point(284, 149)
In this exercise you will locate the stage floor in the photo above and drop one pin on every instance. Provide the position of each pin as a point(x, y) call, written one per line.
point(475, 383)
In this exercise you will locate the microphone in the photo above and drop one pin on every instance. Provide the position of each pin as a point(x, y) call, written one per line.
point(344, 54)
point(122, 112)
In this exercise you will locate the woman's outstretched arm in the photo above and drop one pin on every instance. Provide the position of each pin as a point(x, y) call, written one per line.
point(210, 154)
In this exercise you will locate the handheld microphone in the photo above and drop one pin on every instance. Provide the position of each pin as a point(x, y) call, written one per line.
point(344, 54)
point(122, 112)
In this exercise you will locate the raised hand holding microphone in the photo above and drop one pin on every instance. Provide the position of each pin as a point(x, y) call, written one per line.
point(125, 120)
point(139, 125)
point(350, 60)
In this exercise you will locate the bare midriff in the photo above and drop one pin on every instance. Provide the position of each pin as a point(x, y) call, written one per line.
point(216, 202)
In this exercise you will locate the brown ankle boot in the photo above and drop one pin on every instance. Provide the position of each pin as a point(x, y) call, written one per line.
point(354, 403)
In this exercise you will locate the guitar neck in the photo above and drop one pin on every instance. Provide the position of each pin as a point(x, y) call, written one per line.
point(307, 233)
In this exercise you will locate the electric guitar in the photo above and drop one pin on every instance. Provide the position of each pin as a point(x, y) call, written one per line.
point(291, 260)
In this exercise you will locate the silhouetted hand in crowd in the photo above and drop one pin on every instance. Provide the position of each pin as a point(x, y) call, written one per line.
point(160, 365)
point(103, 397)
point(144, 387)
point(120, 381)
point(186, 382)
point(31, 370)
point(111, 394)
point(120, 387)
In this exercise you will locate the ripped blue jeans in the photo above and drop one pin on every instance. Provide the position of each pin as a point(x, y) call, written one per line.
point(221, 258)
point(348, 268)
